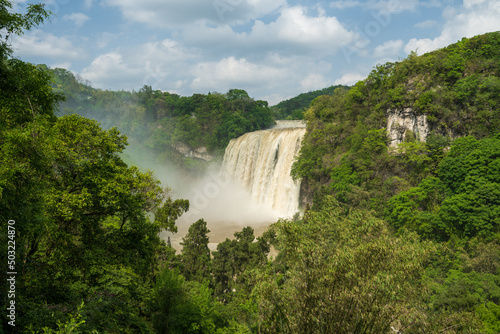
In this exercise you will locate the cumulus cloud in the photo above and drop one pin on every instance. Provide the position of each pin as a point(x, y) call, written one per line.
point(105, 70)
point(313, 82)
point(476, 17)
point(172, 67)
point(181, 13)
point(78, 18)
point(231, 72)
point(389, 48)
point(159, 64)
point(272, 79)
point(46, 45)
point(349, 79)
point(295, 26)
point(293, 32)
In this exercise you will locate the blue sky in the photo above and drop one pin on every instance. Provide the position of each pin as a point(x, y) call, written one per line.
point(273, 49)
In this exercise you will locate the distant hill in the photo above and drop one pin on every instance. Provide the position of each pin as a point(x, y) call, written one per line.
point(175, 128)
point(294, 108)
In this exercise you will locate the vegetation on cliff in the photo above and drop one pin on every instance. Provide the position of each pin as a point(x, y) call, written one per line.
point(446, 188)
point(162, 121)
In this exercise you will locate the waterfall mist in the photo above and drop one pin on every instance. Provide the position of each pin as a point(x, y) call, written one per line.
point(253, 187)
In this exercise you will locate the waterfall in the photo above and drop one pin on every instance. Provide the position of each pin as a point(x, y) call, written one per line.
point(261, 161)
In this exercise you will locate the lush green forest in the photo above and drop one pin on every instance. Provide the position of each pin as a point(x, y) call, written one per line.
point(398, 239)
point(446, 189)
point(295, 107)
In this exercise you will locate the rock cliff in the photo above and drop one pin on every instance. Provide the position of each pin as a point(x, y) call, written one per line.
point(399, 121)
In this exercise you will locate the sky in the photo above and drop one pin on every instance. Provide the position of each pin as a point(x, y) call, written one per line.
point(273, 49)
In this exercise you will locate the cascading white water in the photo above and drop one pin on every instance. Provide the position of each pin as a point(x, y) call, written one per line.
point(262, 161)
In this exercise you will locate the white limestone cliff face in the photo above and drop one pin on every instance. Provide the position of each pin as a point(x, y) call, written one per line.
point(399, 121)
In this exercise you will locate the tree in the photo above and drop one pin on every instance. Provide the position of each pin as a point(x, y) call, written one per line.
point(83, 217)
point(463, 201)
point(15, 23)
point(195, 258)
point(234, 261)
point(184, 307)
point(341, 271)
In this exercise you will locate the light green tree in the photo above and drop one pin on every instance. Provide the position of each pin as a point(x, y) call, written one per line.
point(342, 271)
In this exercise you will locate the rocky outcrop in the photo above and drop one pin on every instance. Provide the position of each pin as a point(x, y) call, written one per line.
point(197, 153)
point(400, 121)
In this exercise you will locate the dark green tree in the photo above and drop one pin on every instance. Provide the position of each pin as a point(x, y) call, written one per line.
point(234, 261)
point(195, 257)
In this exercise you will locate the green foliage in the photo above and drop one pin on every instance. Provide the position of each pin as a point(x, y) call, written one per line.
point(167, 214)
point(195, 258)
point(83, 219)
point(70, 326)
point(455, 87)
point(16, 23)
point(294, 108)
point(82, 215)
point(463, 201)
point(464, 284)
point(464, 291)
point(490, 315)
point(234, 260)
point(184, 307)
point(341, 271)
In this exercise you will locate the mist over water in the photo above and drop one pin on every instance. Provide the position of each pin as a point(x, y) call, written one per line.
point(226, 207)
point(252, 187)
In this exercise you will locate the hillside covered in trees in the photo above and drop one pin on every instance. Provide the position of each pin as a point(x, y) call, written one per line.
point(295, 107)
point(441, 183)
point(168, 125)
point(398, 237)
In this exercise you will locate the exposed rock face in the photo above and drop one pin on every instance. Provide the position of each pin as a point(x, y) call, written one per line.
point(197, 153)
point(399, 121)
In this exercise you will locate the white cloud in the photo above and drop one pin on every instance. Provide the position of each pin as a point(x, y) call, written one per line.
point(272, 79)
point(392, 6)
point(476, 17)
point(107, 69)
point(181, 13)
point(159, 64)
point(313, 82)
point(88, 4)
point(296, 27)
point(41, 44)
point(103, 40)
point(389, 48)
point(293, 32)
point(349, 79)
point(234, 73)
point(344, 4)
point(471, 3)
point(78, 18)
point(425, 24)
point(65, 65)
